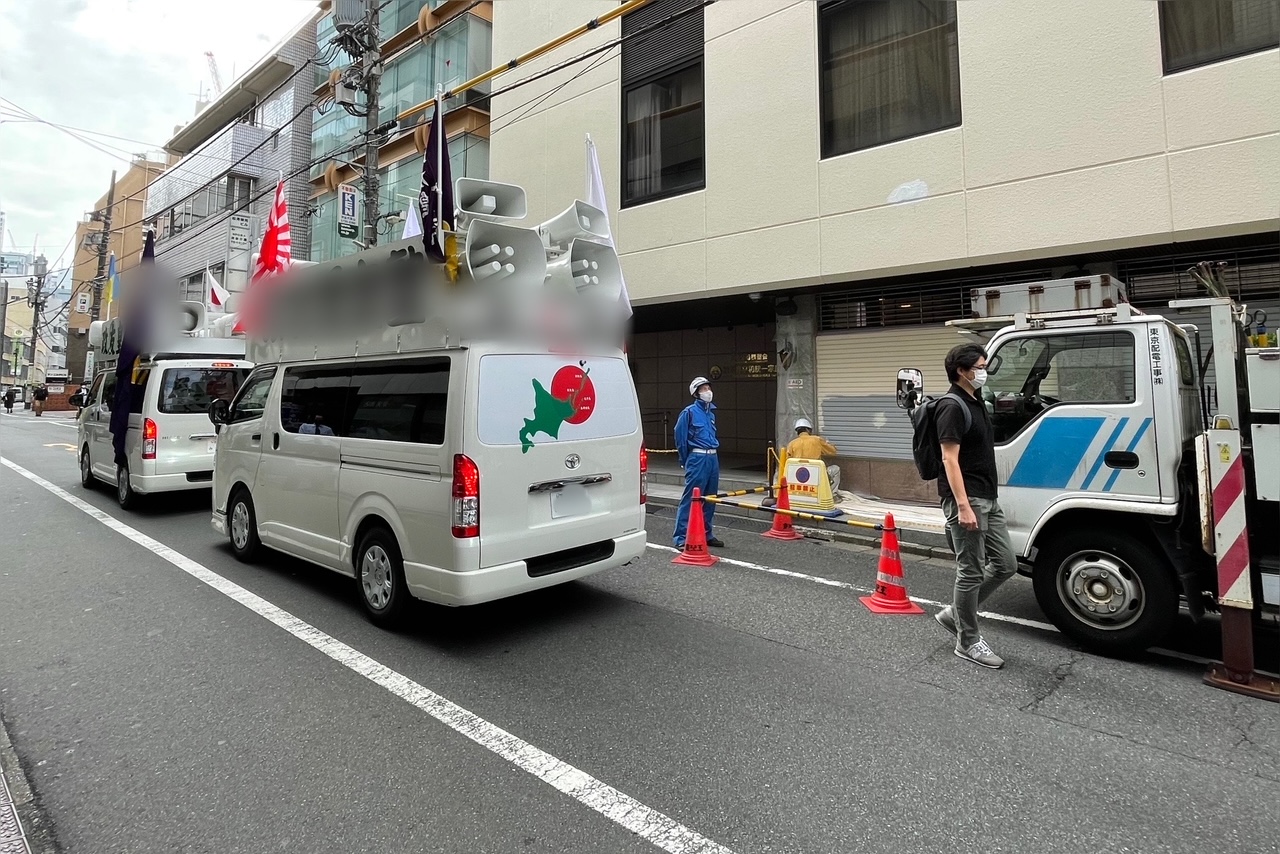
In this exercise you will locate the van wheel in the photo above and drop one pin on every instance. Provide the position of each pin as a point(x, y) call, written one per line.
point(242, 526)
point(1110, 592)
point(87, 480)
point(125, 496)
point(380, 573)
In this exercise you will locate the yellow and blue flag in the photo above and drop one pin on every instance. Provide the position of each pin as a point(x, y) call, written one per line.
point(109, 288)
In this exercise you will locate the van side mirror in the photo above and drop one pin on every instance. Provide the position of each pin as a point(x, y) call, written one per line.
point(77, 400)
point(910, 388)
point(218, 412)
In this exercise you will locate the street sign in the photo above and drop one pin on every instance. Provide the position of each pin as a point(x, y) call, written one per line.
point(82, 303)
point(347, 211)
point(88, 366)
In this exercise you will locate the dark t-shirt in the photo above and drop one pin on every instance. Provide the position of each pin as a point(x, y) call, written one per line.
point(977, 447)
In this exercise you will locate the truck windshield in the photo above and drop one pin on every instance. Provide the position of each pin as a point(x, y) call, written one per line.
point(189, 391)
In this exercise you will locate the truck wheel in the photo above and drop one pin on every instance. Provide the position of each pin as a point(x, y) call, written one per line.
point(242, 526)
point(380, 573)
point(1110, 592)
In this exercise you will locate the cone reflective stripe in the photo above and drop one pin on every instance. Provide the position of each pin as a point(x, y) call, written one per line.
point(695, 542)
point(890, 596)
point(782, 528)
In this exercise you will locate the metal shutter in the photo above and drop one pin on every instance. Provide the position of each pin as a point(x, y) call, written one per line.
point(856, 382)
point(662, 47)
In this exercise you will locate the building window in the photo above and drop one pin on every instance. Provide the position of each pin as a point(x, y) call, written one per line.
point(1200, 32)
point(663, 129)
point(890, 70)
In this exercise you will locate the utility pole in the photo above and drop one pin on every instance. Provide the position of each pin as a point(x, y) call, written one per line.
point(372, 63)
point(103, 246)
point(36, 300)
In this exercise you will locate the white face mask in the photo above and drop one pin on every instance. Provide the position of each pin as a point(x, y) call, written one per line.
point(979, 378)
point(705, 396)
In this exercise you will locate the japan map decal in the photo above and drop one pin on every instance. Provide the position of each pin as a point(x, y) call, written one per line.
point(570, 400)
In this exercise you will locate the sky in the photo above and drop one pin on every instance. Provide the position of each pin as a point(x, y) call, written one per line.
point(130, 68)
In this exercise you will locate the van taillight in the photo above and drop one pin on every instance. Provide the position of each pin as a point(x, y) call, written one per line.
point(466, 497)
point(644, 475)
point(150, 433)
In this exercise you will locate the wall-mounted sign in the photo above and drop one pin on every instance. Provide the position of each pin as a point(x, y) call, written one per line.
point(795, 382)
point(756, 366)
point(347, 211)
point(239, 238)
point(82, 303)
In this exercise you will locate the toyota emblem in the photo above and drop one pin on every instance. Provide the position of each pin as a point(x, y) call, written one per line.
point(572, 461)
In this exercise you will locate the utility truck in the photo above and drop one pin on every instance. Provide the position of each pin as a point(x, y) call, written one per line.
point(1127, 489)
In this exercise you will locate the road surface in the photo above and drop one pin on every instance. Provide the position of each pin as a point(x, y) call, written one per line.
point(162, 697)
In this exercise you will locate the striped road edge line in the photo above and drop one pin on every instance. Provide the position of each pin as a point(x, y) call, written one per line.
point(649, 824)
point(989, 615)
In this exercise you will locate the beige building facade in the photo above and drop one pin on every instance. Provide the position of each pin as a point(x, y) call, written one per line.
point(867, 165)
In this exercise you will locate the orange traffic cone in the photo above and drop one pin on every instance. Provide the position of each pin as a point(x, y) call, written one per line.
point(890, 596)
point(782, 528)
point(695, 542)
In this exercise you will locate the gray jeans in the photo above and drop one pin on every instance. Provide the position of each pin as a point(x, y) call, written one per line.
point(984, 561)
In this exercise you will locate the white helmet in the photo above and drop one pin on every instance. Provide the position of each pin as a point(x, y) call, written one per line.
point(697, 382)
point(804, 422)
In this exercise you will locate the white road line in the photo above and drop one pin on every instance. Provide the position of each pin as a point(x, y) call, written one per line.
point(649, 824)
point(831, 582)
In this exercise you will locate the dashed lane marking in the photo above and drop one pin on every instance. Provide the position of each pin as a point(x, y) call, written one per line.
point(647, 823)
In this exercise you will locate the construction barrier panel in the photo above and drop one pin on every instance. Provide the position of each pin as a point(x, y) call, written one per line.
point(809, 486)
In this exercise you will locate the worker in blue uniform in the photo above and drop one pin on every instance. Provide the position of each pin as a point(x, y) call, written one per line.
point(696, 445)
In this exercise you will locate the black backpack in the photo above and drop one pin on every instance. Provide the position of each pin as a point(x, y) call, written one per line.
point(925, 447)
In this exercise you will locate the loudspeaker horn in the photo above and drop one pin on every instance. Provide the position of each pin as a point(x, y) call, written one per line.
point(505, 253)
point(487, 201)
point(191, 316)
point(579, 221)
point(592, 269)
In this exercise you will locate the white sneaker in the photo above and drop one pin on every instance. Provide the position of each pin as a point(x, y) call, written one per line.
point(980, 654)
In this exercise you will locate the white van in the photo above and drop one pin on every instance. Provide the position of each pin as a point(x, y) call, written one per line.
point(456, 475)
point(170, 444)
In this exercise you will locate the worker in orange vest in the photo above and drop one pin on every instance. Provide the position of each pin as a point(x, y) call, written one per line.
point(807, 446)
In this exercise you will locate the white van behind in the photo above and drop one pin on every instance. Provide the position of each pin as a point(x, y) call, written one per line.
point(455, 475)
point(170, 444)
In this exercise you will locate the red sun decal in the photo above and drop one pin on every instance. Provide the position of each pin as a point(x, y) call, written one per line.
point(567, 382)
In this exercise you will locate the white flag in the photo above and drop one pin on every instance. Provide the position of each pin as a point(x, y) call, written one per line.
point(596, 198)
point(218, 295)
point(412, 223)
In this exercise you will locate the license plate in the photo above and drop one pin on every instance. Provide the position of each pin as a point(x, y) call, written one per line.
point(213, 445)
point(570, 501)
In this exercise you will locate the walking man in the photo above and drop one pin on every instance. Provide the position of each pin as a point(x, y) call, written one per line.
point(8, 401)
point(40, 395)
point(696, 445)
point(807, 446)
point(976, 526)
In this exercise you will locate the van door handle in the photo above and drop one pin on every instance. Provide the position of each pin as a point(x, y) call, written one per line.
point(275, 441)
point(1121, 459)
point(256, 437)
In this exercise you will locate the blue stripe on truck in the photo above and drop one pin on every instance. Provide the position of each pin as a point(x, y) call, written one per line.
point(1055, 451)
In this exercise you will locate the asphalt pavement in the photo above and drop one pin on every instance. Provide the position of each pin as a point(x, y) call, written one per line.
point(162, 697)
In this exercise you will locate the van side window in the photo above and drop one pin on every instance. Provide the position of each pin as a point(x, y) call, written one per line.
point(92, 397)
point(1030, 375)
point(109, 390)
point(400, 401)
point(251, 402)
point(313, 401)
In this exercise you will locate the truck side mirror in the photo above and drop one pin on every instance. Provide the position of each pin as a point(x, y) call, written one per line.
point(218, 412)
point(910, 388)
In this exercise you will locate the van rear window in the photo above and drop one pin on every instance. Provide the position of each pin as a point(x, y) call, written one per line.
point(538, 400)
point(189, 391)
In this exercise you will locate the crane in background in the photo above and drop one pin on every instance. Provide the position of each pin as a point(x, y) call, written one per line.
point(213, 70)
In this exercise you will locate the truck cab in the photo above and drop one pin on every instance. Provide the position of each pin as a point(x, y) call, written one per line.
point(1100, 433)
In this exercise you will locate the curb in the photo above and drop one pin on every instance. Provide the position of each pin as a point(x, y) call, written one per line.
point(919, 549)
point(23, 825)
